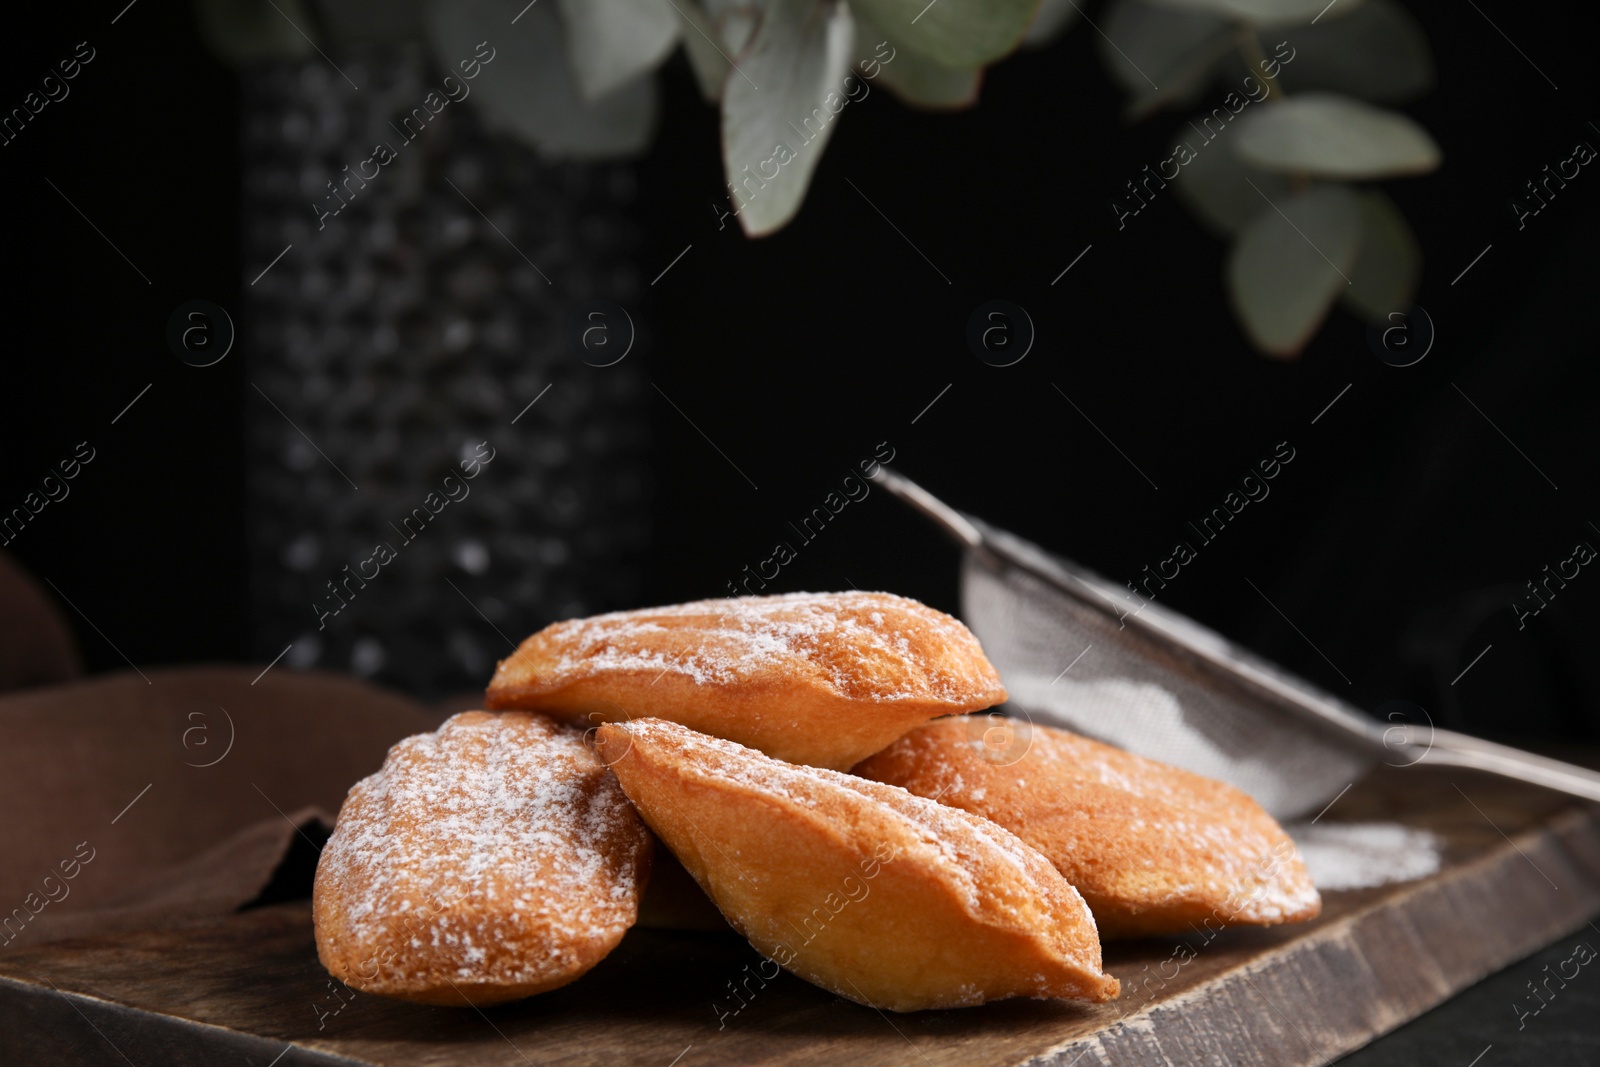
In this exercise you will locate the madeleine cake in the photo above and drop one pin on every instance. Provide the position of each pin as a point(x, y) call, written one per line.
point(1152, 848)
point(866, 890)
point(490, 860)
point(818, 678)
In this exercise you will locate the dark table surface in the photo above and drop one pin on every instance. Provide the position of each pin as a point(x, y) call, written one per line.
point(1499, 1022)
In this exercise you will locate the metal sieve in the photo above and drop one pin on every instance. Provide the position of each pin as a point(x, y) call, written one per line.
point(1078, 651)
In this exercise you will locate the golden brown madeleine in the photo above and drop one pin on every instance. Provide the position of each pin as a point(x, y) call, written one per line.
point(872, 893)
point(819, 678)
point(1152, 848)
point(491, 860)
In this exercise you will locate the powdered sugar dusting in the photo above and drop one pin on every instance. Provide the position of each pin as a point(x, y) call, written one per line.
point(875, 646)
point(498, 850)
point(1359, 855)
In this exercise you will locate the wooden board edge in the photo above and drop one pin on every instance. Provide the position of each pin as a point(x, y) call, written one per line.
point(1295, 1009)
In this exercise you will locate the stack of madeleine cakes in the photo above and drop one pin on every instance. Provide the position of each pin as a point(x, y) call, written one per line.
point(812, 762)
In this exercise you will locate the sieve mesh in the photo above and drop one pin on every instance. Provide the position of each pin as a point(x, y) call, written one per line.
point(1067, 660)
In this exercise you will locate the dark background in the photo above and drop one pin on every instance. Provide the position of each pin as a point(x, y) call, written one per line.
point(1395, 541)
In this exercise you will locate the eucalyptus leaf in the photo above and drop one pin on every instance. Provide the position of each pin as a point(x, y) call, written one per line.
point(924, 83)
point(1290, 263)
point(916, 80)
point(1378, 53)
point(245, 32)
point(1223, 192)
point(612, 42)
point(1053, 18)
point(776, 123)
point(1384, 278)
point(527, 89)
point(1269, 12)
point(1329, 136)
point(956, 33)
point(735, 20)
point(703, 46)
point(1161, 55)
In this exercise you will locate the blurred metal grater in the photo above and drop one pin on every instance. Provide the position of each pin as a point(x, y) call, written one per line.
point(1075, 651)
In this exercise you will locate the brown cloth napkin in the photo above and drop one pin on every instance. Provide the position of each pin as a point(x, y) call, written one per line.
point(36, 644)
point(143, 799)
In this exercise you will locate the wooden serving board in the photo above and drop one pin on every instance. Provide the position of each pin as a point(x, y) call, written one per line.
point(1522, 868)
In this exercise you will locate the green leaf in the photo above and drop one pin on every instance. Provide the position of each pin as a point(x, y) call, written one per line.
point(1053, 18)
point(1289, 264)
point(1159, 54)
point(776, 121)
point(715, 32)
point(1328, 136)
point(612, 42)
point(527, 88)
point(1378, 53)
point(924, 83)
point(703, 46)
point(735, 20)
point(1268, 12)
point(245, 32)
point(1384, 278)
point(955, 33)
point(916, 80)
point(1224, 193)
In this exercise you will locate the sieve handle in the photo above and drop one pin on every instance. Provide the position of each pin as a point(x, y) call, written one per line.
point(954, 523)
point(1446, 748)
